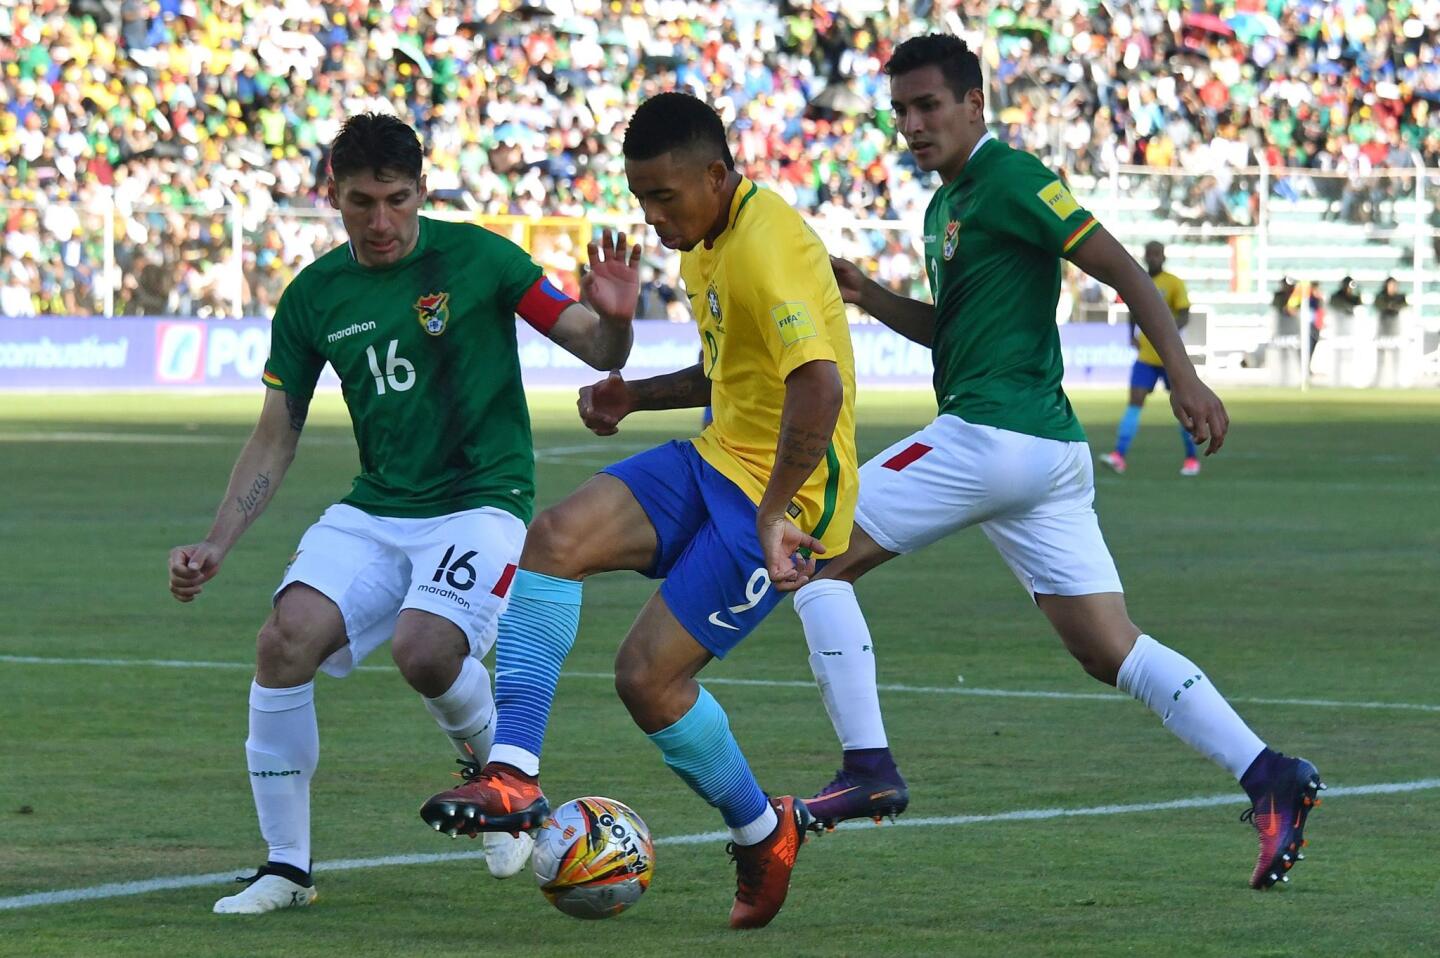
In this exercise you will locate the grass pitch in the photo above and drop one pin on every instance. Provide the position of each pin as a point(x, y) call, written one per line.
point(1301, 565)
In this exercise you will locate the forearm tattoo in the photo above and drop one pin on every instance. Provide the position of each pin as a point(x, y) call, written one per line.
point(249, 504)
point(297, 408)
point(802, 448)
point(682, 390)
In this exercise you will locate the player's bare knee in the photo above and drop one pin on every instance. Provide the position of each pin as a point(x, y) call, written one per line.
point(419, 663)
point(631, 682)
point(554, 544)
point(283, 657)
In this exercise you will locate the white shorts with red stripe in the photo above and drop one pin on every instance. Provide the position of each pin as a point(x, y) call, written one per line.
point(1034, 498)
point(458, 567)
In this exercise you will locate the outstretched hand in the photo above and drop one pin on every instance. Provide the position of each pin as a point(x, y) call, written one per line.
point(782, 542)
point(611, 286)
point(1201, 413)
point(604, 404)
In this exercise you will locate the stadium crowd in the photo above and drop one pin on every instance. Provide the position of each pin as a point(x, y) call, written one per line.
point(175, 111)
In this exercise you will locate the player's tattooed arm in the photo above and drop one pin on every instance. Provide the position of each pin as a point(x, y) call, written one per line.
point(814, 396)
point(259, 469)
point(686, 389)
point(250, 502)
point(802, 448)
point(297, 408)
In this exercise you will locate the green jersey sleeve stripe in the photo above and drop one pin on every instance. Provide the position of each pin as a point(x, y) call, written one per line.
point(832, 491)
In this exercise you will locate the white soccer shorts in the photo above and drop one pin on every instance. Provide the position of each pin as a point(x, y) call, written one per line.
point(457, 566)
point(1034, 498)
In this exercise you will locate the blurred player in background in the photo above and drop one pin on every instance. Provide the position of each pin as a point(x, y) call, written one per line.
point(417, 317)
point(1149, 369)
point(1007, 453)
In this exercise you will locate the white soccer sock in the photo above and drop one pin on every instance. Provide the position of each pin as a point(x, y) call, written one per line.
point(281, 753)
point(466, 711)
point(758, 830)
point(1172, 687)
point(843, 661)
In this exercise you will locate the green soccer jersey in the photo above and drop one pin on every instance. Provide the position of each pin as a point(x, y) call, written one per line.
point(993, 242)
point(425, 351)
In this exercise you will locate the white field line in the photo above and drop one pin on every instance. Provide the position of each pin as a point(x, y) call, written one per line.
point(543, 454)
point(770, 683)
point(173, 882)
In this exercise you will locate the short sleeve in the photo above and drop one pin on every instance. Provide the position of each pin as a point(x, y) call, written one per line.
point(516, 272)
point(1038, 208)
point(790, 284)
point(293, 365)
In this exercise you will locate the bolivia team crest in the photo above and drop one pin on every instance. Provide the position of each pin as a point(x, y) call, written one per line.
point(952, 239)
point(433, 312)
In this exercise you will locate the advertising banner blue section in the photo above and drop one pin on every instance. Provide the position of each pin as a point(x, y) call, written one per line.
point(71, 352)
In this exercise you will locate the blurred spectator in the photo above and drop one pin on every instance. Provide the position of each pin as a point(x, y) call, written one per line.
point(1344, 299)
point(178, 112)
point(1389, 302)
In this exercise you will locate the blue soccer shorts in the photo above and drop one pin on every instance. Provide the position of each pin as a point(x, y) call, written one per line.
point(716, 583)
point(1145, 376)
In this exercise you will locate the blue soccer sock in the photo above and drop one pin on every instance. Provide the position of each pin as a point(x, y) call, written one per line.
point(1129, 426)
point(1190, 451)
point(701, 750)
point(536, 633)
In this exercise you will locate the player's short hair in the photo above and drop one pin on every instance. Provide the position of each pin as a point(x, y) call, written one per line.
point(676, 121)
point(379, 143)
point(1154, 244)
point(958, 64)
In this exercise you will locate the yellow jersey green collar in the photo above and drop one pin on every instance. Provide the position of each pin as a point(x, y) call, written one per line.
point(743, 193)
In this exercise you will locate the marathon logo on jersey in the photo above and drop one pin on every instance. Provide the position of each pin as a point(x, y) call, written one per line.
point(433, 311)
point(353, 329)
point(952, 239)
point(712, 296)
point(794, 322)
point(180, 353)
point(1058, 199)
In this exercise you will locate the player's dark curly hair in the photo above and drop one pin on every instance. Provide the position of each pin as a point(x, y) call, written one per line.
point(958, 64)
point(676, 121)
point(378, 143)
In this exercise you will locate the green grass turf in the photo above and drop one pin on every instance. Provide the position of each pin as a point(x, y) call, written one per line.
point(1301, 564)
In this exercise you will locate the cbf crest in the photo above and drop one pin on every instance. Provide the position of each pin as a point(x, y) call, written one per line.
point(433, 312)
point(713, 298)
point(952, 239)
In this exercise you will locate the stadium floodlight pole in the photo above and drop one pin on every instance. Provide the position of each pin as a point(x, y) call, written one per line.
point(237, 242)
point(1417, 254)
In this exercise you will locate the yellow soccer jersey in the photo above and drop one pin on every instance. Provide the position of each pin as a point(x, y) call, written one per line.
point(766, 303)
point(1172, 288)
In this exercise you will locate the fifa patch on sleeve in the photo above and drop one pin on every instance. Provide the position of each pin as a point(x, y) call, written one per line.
point(1058, 199)
point(793, 321)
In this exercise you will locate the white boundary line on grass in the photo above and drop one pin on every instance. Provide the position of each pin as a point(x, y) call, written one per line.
point(173, 882)
point(764, 683)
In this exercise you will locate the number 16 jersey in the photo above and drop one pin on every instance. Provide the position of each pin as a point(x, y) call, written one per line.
point(426, 354)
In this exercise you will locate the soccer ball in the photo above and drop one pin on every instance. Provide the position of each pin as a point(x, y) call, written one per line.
point(593, 857)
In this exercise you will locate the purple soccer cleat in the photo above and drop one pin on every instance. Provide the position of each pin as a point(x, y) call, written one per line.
point(855, 795)
point(1282, 791)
